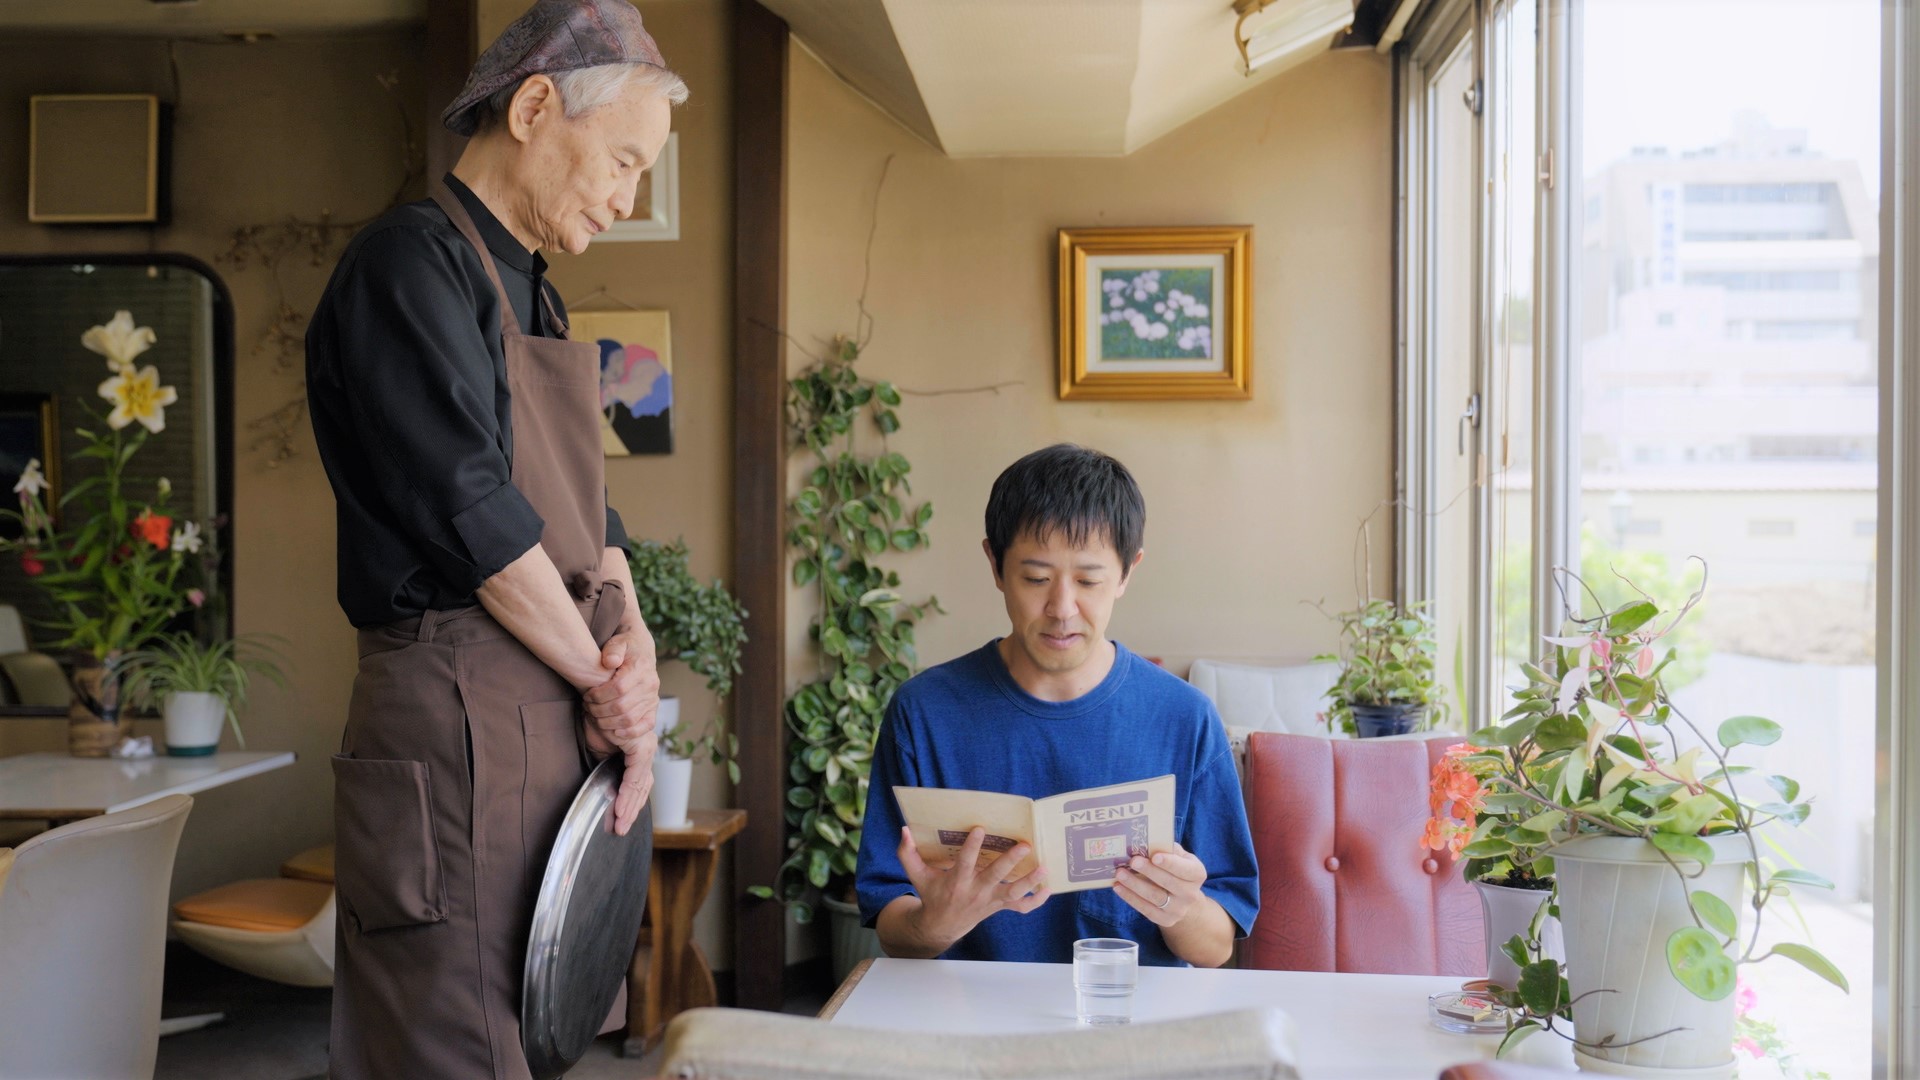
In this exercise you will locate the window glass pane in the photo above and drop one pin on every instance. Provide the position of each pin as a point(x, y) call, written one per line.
point(1450, 283)
point(1510, 130)
point(1725, 305)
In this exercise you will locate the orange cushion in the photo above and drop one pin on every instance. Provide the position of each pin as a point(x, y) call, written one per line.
point(265, 904)
point(313, 864)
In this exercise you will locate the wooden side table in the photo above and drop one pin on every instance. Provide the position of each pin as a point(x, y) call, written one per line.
point(669, 974)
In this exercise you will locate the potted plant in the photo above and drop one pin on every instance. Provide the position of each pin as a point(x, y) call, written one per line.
point(1516, 889)
point(198, 685)
point(849, 512)
point(1386, 684)
point(110, 564)
point(1654, 847)
point(702, 626)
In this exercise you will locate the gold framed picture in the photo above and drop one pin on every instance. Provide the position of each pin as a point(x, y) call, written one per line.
point(1156, 313)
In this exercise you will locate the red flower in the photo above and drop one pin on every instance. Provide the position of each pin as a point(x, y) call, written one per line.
point(30, 562)
point(155, 529)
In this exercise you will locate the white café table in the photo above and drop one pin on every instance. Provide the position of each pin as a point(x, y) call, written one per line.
point(59, 788)
point(1345, 1026)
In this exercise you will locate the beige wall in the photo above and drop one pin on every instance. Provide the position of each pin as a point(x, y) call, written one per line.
point(299, 126)
point(1251, 505)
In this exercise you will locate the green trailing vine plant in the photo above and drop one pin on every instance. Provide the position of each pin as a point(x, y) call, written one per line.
point(851, 510)
point(702, 626)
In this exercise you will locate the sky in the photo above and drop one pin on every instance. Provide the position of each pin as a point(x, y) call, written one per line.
point(1674, 73)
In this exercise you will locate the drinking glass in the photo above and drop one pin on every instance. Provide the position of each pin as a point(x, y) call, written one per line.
point(1104, 973)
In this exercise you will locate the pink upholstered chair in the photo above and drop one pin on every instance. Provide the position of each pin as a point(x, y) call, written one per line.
point(1344, 882)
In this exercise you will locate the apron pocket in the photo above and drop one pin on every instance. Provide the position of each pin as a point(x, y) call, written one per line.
point(387, 863)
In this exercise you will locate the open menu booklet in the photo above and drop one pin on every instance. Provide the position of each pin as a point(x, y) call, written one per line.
point(1081, 837)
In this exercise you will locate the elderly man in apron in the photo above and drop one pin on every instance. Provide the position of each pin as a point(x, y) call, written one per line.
point(501, 649)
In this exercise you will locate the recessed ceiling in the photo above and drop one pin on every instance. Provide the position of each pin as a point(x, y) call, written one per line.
point(205, 16)
point(988, 78)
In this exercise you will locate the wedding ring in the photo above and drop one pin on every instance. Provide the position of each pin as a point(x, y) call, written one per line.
point(1164, 903)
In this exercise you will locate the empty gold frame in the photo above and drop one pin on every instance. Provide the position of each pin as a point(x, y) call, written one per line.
point(93, 158)
point(1156, 313)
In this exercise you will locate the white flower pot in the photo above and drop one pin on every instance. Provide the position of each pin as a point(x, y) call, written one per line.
point(193, 721)
point(1505, 912)
point(672, 780)
point(1619, 902)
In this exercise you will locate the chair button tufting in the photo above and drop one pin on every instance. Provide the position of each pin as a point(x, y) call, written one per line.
point(1430, 866)
point(1333, 863)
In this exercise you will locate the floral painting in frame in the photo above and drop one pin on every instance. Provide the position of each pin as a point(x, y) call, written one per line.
point(636, 378)
point(1156, 313)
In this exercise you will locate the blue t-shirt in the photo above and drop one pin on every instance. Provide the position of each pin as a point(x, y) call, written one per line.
point(967, 724)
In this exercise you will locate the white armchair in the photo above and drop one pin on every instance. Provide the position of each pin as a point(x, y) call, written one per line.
point(30, 678)
point(83, 930)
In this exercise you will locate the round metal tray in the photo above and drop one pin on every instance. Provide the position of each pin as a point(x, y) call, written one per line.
point(585, 924)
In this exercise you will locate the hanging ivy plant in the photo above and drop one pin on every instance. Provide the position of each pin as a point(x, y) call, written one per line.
point(848, 513)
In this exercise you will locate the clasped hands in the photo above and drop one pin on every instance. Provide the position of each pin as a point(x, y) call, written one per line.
point(620, 717)
point(955, 898)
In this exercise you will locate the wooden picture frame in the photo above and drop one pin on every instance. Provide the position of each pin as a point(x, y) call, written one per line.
point(656, 201)
point(1156, 314)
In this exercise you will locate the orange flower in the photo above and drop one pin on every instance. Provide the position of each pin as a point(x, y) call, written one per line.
point(1459, 841)
point(1464, 787)
point(155, 529)
point(1436, 837)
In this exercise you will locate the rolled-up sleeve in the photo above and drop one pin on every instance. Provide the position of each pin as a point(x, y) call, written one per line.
point(420, 383)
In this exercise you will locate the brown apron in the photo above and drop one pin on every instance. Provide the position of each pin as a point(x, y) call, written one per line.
point(461, 754)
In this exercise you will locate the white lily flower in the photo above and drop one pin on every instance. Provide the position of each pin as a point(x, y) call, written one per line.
point(187, 538)
point(32, 481)
point(119, 340)
point(138, 396)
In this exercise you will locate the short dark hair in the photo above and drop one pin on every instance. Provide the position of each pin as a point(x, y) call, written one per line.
point(1076, 493)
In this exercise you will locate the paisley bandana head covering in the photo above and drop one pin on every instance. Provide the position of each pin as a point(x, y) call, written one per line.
point(553, 36)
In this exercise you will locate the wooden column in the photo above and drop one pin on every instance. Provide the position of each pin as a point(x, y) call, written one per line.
point(759, 452)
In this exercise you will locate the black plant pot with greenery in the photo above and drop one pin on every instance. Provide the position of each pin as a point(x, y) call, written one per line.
point(1375, 721)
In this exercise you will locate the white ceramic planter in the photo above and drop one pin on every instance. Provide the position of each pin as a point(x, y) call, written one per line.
point(193, 720)
point(1505, 912)
point(848, 941)
point(1619, 902)
point(672, 781)
point(672, 776)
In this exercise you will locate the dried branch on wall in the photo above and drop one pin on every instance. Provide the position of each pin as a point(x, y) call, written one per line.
point(272, 245)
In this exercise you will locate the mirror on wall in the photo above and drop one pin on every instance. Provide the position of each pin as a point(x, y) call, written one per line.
point(50, 385)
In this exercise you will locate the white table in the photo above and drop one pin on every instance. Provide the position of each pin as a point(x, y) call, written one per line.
point(59, 788)
point(1346, 1026)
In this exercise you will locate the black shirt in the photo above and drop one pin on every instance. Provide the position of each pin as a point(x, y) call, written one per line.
point(407, 385)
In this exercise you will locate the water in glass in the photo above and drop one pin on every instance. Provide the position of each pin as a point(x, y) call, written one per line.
point(1104, 973)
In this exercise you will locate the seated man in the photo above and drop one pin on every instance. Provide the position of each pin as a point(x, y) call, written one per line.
point(1050, 708)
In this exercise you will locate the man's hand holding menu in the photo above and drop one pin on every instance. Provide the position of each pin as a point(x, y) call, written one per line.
point(954, 898)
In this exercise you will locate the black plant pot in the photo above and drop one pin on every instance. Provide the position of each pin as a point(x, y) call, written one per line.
point(1373, 721)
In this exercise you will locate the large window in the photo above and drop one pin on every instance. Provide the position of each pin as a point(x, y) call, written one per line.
point(1728, 411)
point(1663, 223)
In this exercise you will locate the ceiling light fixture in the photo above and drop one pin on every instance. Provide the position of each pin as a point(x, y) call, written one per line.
point(1295, 27)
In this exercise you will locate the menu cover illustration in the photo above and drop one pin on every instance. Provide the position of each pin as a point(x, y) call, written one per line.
point(1081, 837)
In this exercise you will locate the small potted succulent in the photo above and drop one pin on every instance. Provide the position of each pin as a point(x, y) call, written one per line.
point(1652, 834)
point(703, 627)
point(1386, 684)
